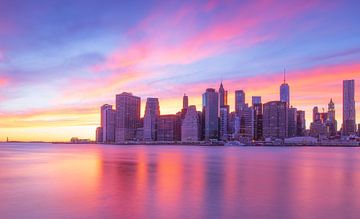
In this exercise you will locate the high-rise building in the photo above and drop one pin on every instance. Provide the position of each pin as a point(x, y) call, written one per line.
point(275, 122)
point(108, 120)
point(331, 122)
point(127, 117)
point(246, 116)
point(190, 127)
point(211, 114)
point(300, 123)
point(234, 125)
point(99, 134)
point(185, 101)
point(349, 122)
point(285, 92)
point(256, 100)
point(223, 101)
point(292, 123)
point(152, 113)
point(258, 118)
point(224, 121)
point(168, 128)
point(239, 100)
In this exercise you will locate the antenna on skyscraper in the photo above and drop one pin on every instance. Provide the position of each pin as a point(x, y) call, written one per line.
point(284, 75)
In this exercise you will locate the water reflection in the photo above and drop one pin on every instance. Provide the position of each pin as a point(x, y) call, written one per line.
point(90, 181)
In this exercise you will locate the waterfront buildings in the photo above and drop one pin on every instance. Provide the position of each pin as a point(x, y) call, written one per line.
point(273, 120)
point(331, 122)
point(300, 123)
point(211, 114)
point(239, 100)
point(99, 135)
point(292, 122)
point(127, 117)
point(224, 121)
point(258, 117)
point(275, 124)
point(349, 122)
point(224, 113)
point(191, 128)
point(152, 112)
point(168, 128)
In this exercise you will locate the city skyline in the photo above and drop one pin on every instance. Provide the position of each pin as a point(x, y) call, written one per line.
point(59, 61)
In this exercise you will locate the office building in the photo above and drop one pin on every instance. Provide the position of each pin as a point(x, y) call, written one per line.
point(349, 122)
point(224, 121)
point(168, 128)
point(331, 122)
point(127, 117)
point(108, 120)
point(285, 92)
point(190, 127)
point(99, 135)
point(246, 117)
point(239, 100)
point(223, 96)
point(275, 124)
point(292, 123)
point(211, 114)
point(152, 112)
point(300, 123)
point(258, 118)
point(255, 100)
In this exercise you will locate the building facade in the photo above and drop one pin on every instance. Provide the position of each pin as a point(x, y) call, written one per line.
point(211, 114)
point(292, 123)
point(168, 128)
point(152, 113)
point(239, 100)
point(190, 127)
point(127, 117)
point(300, 123)
point(275, 124)
point(349, 122)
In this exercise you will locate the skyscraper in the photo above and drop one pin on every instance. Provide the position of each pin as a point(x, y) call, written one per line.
point(300, 123)
point(331, 122)
point(108, 120)
point(185, 101)
point(224, 121)
point(246, 117)
point(255, 100)
point(292, 124)
point(285, 92)
point(211, 113)
point(239, 100)
point(152, 112)
point(275, 122)
point(127, 117)
point(223, 101)
point(168, 128)
point(190, 127)
point(224, 113)
point(99, 134)
point(258, 118)
point(349, 122)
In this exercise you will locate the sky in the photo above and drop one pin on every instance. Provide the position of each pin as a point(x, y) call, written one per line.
point(61, 60)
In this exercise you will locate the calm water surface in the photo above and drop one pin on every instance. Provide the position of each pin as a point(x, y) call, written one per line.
point(93, 181)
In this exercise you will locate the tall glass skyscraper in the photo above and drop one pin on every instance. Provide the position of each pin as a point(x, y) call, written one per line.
point(127, 116)
point(239, 100)
point(211, 113)
point(349, 122)
point(152, 112)
point(285, 92)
